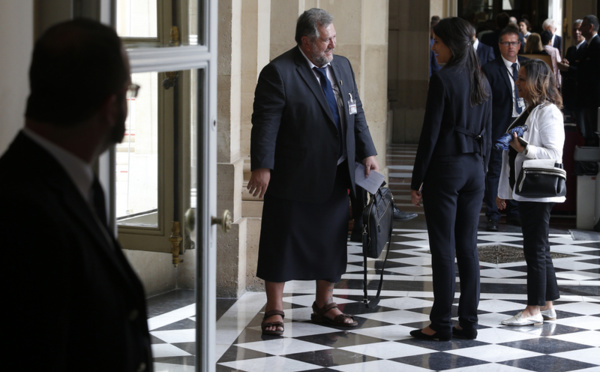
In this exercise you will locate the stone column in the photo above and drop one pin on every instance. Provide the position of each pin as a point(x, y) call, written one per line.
point(231, 247)
point(409, 67)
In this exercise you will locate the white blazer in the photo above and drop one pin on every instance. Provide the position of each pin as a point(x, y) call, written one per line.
point(546, 138)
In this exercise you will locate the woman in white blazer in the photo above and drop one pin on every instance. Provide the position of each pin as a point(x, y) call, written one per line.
point(544, 138)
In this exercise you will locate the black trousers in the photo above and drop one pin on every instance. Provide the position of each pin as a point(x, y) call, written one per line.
point(452, 197)
point(541, 278)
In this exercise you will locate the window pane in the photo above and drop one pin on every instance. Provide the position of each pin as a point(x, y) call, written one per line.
point(137, 157)
point(193, 20)
point(137, 18)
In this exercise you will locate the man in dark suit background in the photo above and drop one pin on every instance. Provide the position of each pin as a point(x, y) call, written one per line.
point(433, 65)
point(548, 25)
point(72, 302)
point(491, 38)
point(506, 106)
point(588, 79)
point(308, 130)
point(568, 68)
point(485, 53)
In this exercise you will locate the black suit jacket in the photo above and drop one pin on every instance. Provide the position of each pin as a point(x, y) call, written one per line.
point(72, 302)
point(588, 75)
point(451, 124)
point(558, 43)
point(485, 53)
point(502, 99)
point(569, 77)
point(293, 131)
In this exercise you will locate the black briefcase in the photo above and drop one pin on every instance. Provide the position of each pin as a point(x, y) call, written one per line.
point(378, 222)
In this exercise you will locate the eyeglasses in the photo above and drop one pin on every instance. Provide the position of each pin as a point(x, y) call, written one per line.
point(509, 43)
point(132, 91)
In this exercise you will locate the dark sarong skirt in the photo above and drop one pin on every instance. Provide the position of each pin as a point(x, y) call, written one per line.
point(305, 241)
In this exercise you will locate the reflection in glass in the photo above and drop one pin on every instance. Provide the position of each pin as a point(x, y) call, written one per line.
point(137, 158)
point(137, 18)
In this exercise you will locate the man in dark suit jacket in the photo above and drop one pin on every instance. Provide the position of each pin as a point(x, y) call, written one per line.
point(505, 108)
point(588, 79)
point(548, 25)
point(491, 38)
point(568, 68)
point(303, 147)
point(485, 53)
point(73, 302)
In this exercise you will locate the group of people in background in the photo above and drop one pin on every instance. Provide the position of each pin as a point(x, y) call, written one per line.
point(478, 89)
point(471, 103)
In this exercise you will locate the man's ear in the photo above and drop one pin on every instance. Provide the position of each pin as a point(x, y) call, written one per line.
point(109, 109)
point(305, 42)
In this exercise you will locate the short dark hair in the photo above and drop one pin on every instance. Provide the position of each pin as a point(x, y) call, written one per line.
point(592, 20)
point(546, 36)
point(76, 65)
point(527, 24)
point(309, 21)
point(508, 30)
point(502, 20)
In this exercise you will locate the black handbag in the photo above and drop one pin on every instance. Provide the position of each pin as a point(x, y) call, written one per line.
point(378, 222)
point(541, 178)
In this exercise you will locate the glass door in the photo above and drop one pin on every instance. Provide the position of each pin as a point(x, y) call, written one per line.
point(167, 163)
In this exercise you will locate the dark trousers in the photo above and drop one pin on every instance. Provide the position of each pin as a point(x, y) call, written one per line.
point(588, 124)
point(491, 189)
point(358, 202)
point(541, 278)
point(452, 194)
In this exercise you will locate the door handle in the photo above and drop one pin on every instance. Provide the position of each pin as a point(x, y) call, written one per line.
point(190, 222)
point(224, 221)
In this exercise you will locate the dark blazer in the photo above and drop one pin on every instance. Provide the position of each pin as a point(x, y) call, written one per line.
point(558, 43)
point(293, 131)
point(451, 125)
point(502, 101)
point(588, 75)
point(485, 53)
point(569, 77)
point(72, 300)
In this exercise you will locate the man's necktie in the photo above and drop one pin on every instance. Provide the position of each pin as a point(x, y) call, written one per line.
point(328, 90)
point(99, 202)
point(515, 73)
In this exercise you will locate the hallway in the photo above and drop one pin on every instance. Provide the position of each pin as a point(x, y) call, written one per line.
point(381, 342)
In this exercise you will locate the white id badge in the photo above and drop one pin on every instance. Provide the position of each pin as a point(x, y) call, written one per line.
point(521, 103)
point(351, 105)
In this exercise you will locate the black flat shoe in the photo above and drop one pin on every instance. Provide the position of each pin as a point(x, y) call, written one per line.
point(438, 336)
point(465, 333)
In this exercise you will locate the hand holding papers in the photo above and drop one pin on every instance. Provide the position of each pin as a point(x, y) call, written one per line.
point(372, 183)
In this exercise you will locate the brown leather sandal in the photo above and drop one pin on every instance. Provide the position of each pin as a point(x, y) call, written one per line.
point(264, 325)
point(318, 316)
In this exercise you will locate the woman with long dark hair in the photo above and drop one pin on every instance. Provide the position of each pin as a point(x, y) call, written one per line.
point(544, 139)
point(449, 174)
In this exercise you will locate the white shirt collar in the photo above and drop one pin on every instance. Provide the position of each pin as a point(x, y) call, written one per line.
point(476, 43)
point(79, 171)
point(580, 44)
point(509, 64)
point(592, 38)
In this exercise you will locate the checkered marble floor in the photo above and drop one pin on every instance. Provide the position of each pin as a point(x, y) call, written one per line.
point(381, 342)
